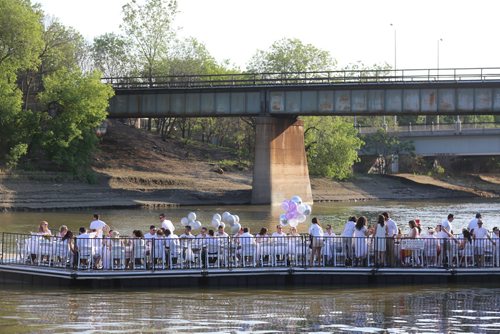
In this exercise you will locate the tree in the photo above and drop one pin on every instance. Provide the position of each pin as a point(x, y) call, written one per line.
point(20, 44)
point(149, 28)
point(110, 53)
point(78, 104)
point(332, 146)
point(291, 55)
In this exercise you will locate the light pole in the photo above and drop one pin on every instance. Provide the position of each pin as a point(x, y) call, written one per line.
point(395, 67)
point(438, 41)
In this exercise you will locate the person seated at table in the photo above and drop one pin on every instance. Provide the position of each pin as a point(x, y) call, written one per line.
point(201, 244)
point(138, 248)
point(82, 242)
point(62, 231)
point(69, 240)
point(247, 242)
point(43, 228)
point(279, 233)
point(186, 243)
point(173, 246)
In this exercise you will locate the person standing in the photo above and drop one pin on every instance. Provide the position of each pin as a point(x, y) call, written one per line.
point(97, 225)
point(473, 223)
point(392, 231)
point(166, 224)
point(380, 244)
point(316, 234)
point(347, 239)
point(446, 224)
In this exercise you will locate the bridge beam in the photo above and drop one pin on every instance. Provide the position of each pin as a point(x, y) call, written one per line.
point(280, 166)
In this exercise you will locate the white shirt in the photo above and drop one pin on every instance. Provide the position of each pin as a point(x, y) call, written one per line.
point(97, 225)
point(247, 239)
point(315, 230)
point(446, 224)
point(473, 224)
point(149, 236)
point(167, 225)
point(279, 234)
point(480, 233)
point(392, 228)
point(349, 229)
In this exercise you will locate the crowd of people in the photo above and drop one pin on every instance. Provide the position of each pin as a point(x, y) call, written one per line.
point(359, 244)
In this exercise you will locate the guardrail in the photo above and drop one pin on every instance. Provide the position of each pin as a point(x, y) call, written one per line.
point(308, 78)
point(111, 254)
point(456, 127)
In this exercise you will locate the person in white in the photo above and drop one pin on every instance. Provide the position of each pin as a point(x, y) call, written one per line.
point(473, 223)
point(347, 234)
point(392, 232)
point(186, 239)
point(380, 237)
point(279, 233)
point(166, 224)
point(496, 240)
point(329, 241)
point(446, 224)
point(97, 225)
point(316, 235)
point(480, 235)
point(83, 242)
point(248, 248)
point(444, 247)
point(431, 248)
point(151, 234)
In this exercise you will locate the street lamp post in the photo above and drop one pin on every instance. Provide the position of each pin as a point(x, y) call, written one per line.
point(438, 41)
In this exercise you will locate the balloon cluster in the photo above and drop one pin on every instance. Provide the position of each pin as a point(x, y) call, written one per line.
point(190, 220)
point(227, 218)
point(296, 212)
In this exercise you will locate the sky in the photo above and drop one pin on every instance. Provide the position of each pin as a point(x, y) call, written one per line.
point(407, 34)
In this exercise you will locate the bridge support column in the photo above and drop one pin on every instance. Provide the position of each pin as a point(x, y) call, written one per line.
point(280, 167)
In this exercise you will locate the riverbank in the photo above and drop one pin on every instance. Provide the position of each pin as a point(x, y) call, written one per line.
point(135, 168)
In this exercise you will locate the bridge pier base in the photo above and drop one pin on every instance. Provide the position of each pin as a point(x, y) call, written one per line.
point(280, 168)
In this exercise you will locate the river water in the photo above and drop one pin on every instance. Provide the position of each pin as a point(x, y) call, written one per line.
point(364, 309)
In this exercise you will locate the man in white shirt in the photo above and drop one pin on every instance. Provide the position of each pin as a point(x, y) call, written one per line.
point(446, 224)
point(83, 242)
point(392, 231)
point(247, 243)
point(481, 236)
point(279, 232)
point(347, 234)
point(97, 225)
point(473, 223)
point(151, 234)
point(166, 224)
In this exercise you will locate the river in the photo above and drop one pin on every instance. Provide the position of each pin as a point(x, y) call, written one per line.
point(366, 309)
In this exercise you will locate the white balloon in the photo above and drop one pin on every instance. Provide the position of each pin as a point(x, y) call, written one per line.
point(293, 222)
point(235, 228)
point(224, 216)
point(308, 210)
point(230, 220)
point(192, 216)
point(217, 217)
point(190, 222)
point(236, 218)
point(301, 208)
point(195, 225)
point(301, 218)
point(222, 224)
point(184, 221)
point(215, 223)
point(296, 199)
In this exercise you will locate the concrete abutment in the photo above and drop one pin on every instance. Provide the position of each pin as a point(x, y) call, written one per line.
point(280, 167)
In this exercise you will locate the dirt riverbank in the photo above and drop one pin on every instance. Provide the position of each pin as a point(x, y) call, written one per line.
point(135, 168)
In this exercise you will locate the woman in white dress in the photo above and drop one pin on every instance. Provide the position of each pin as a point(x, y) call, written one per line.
point(360, 241)
point(466, 248)
point(316, 235)
point(380, 244)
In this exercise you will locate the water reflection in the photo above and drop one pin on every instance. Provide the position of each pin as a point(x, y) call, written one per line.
point(373, 310)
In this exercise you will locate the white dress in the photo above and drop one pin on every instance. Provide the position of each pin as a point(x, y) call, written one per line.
point(380, 236)
point(360, 242)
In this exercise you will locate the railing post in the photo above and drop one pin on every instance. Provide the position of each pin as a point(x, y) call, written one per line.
point(3, 242)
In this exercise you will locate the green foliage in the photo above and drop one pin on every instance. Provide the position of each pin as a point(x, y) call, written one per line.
point(291, 55)
point(20, 36)
point(384, 144)
point(110, 53)
point(331, 146)
point(80, 102)
point(148, 27)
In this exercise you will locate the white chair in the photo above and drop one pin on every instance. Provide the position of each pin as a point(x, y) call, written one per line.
point(139, 254)
point(339, 253)
point(44, 253)
point(327, 250)
point(85, 257)
point(159, 253)
point(213, 253)
point(117, 256)
point(296, 250)
point(174, 252)
point(61, 253)
point(248, 254)
point(281, 252)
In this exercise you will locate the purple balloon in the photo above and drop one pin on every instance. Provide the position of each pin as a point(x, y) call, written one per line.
point(291, 215)
point(284, 205)
point(292, 207)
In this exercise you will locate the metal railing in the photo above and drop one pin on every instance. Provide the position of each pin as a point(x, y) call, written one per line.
point(308, 78)
point(457, 127)
point(109, 254)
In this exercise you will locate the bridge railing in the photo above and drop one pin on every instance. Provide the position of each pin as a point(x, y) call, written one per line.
point(307, 78)
point(457, 127)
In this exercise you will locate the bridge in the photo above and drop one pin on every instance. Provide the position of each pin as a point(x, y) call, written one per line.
point(475, 139)
point(276, 99)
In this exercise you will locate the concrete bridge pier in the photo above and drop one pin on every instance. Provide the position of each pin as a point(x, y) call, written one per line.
point(280, 166)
